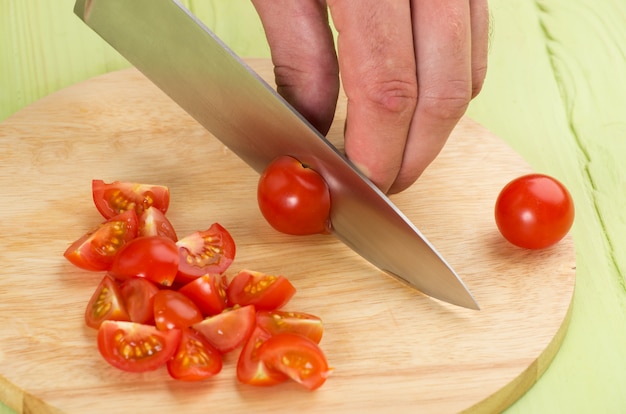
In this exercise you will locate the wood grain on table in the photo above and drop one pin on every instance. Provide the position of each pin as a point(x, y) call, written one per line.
point(554, 91)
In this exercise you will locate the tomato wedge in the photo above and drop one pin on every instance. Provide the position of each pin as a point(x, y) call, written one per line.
point(152, 222)
point(135, 347)
point(173, 310)
point(297, 357)
point(138, 295)
point(228, 330)
point(208, 292)
point(276, 322)
point(154, 258)
point(195, 359)
point(202, 252)
point(96, 249)
point(250, 369)
point(119, 196)
point(105, 304)
point(265, 292)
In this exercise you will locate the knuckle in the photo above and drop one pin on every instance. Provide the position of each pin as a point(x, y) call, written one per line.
point(398, 97)
point(447, 102)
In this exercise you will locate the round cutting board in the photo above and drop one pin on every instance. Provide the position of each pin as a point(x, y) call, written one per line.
point(392, 348)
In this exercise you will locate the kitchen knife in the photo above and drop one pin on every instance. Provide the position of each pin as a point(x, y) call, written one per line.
point(181, 56)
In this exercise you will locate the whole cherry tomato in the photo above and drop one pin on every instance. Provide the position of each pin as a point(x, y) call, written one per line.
point(534, 211)
point(293, 198)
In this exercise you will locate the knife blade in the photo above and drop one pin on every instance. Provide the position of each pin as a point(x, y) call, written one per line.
point(188, 62)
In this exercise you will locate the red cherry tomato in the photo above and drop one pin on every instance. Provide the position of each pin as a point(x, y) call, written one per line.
point(154, 258)
point(138, 295)
point(276, 322)
point(534, 211)
point(250, 369)
point(117, 197)
point(173, 310)
point(208, 292)
point(97, 248)
point(265, 292)
point(228, 330)
point(106, 303)
point(134, 347)
point(152, 222)
point(293, 198)
point(202, 252)
point(195, 359)
point(297, 357)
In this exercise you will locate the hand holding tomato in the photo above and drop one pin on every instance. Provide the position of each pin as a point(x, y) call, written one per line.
point(293, 198)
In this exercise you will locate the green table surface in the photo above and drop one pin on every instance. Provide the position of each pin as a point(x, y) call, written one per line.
point(555, 91)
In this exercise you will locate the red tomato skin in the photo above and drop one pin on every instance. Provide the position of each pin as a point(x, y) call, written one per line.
point(230, 329)
point(195, 359)
point(135, 347)
point(152, 222)
point(154, 258)
point(294, 199)
point(173, 310)
point(265, 292)
point(297, 357)
point(96, 250)
point(106, 303)
point(276, 322)
point(250, 369)
point(138, 295)
point(208, 292)
point(202, 252)
point(119, 196)
point(534, 211)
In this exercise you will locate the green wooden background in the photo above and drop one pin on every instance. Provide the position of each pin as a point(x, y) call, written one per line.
point(555, 91)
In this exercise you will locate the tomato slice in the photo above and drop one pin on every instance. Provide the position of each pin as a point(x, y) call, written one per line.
point(202, 252)
point(138, 295)
point(208, 292)
point(96, 249)
point(250, 369)
point(265, 292)
point(173, 310)
point(276, 322)
point(228, 330)
point(195, 359)
point(135, 347)
point(105, 304)
point(296, 356)
point(154, 258)
point(152, 222)
point(119, 196)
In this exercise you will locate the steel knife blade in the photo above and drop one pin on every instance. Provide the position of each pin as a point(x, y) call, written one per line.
point(188, 62)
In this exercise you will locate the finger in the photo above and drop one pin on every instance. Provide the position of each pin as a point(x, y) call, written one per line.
point(479, 16)
point(303, 53)
point(375, 46)
point(443, 54)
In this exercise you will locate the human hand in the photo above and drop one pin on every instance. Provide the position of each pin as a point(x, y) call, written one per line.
point(409, 70)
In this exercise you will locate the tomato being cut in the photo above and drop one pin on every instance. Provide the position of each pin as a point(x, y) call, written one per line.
point(154, 258)
point(106, 303)
point(119, 196)
point(265, 292)
point(97, 248)
point(208, 292)
point(293, 198)
point(297, 357)
point(534, 211)
point(152, 222)
point(203, 252)
point(195, 359)
point(276, 322)
point(138, 295)
point(173, 310)
point(228, 330)
point(135, 347)
point(250, 369)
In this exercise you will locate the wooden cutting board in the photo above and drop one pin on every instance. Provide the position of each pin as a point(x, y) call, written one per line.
point(392, 348)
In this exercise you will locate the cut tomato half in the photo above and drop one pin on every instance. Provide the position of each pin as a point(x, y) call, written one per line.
point(152, 222)
point(154, 258)
point(138, 295)
point(119, 196)
point(250, 369)
point(265, 292)
point(204, 252)
point(106, 303)
point(173, 310)
point(135, 347)
point(195, 359)
point(96, 249)
point(276, 322)
point(228, 330)
point(208, 292)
